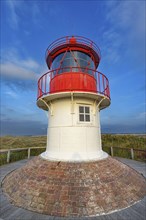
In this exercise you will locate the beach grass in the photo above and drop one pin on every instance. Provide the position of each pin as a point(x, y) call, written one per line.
point(121, 144)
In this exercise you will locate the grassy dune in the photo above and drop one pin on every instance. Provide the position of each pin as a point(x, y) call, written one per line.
point(125, 141)
point(11, 142)
point(8, 142)
point(121, 146)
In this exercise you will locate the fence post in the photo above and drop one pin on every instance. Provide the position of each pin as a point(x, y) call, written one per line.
point(8, 156)
point(112, 152)
point(28, 152)
point(132, 153)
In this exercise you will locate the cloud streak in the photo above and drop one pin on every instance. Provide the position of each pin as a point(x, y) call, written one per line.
point(11, 70)
point(125, 30)
point(18, 10)
point(12, 94)
point(13, 18)
point(14, 67)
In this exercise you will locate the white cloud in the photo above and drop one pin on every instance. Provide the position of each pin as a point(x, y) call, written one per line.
point(35, 13)
point(125, 29)
point(9, 54)
point(12, 66)
point(11, 93)
point(14, 71)
point(13, 16)
point(18, 9)
point(127, 15)
point(29, 63)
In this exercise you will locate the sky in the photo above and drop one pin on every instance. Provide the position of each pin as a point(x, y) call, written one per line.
point(27, 29)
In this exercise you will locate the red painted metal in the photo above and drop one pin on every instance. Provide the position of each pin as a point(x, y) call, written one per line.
point(77, 43)
point(73, 79)
point(72, 40)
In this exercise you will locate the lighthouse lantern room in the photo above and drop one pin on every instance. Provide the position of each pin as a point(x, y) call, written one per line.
point(73, 92)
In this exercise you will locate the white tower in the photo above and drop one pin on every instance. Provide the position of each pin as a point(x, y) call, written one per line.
point(73, 93)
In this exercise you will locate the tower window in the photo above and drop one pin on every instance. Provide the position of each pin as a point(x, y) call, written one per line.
point(84, 113)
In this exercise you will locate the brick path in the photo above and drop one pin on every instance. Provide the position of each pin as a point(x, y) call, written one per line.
point(74, 189)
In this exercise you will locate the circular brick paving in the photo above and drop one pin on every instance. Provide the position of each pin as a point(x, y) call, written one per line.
point(74, 189)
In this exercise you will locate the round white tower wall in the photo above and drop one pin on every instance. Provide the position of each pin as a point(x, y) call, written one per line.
point(69, 138)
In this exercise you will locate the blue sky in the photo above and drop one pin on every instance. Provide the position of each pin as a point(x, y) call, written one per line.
point(28, 27)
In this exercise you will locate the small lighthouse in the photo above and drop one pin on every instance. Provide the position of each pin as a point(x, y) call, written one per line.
point(74, 177)
point(73, 92)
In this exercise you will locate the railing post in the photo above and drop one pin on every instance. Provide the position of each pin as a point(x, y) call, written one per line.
point(8, 156)
point(99, 82)
point(132, 153)
point(103, 83)
point(112, 152)
point(28, 152)
point(45, 83)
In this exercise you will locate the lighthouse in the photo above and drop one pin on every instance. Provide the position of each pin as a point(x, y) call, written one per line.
point(73, 92)
point(74, 177)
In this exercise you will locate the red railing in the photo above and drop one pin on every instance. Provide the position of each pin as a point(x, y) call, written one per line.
point(87, 80)
point(67, 40)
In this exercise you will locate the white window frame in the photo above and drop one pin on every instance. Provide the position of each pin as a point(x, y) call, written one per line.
point(84, 113)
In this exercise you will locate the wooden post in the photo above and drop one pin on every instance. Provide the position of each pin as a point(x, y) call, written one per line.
point(132, 153)
point(112, 152)
point(8, 156)
point(28, 152)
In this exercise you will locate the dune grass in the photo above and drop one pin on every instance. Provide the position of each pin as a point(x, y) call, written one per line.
point(124, 141)
point(121, 145)
point(9, 142)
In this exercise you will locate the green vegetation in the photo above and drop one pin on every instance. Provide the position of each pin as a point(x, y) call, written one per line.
point(19, 155)
point(124, 141)
point(121, 146)
point(3, 158)
point(9, 142)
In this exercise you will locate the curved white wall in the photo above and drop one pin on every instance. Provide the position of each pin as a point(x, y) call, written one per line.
point(71, 140)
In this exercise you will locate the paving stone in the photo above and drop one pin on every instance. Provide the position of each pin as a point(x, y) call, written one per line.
point(68, 189)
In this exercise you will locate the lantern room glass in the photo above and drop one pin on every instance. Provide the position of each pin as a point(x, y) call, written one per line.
point(78, 61)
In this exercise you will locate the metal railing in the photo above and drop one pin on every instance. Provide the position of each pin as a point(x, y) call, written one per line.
point(130, 153)
point(9, 151)
point(67, 40)
point(101, 81)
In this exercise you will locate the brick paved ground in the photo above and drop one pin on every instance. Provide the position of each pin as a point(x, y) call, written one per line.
point(74, 189)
